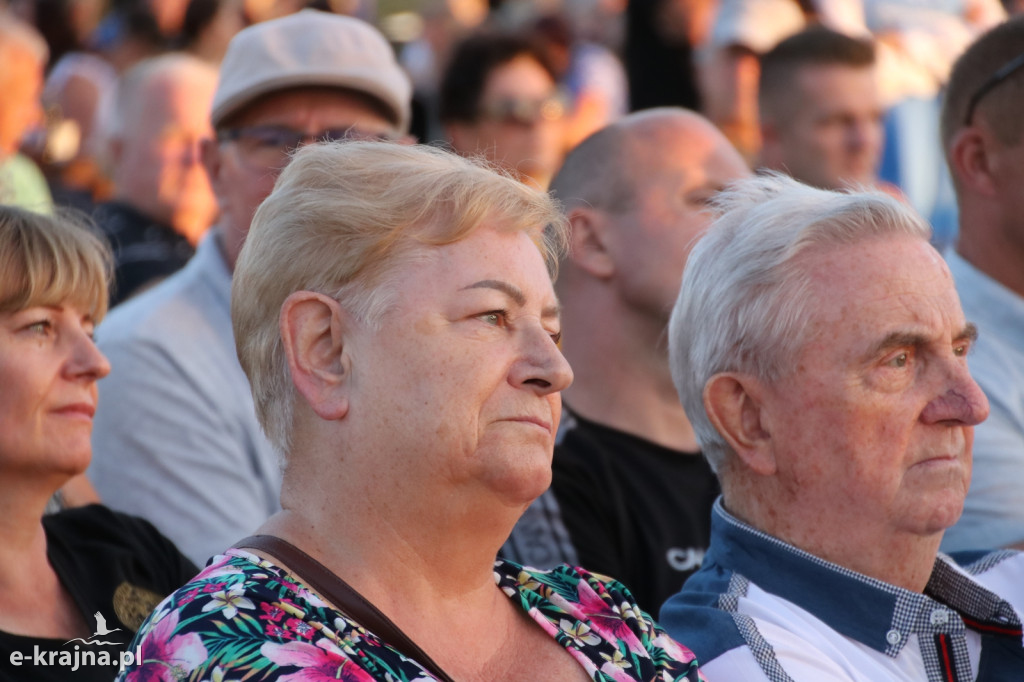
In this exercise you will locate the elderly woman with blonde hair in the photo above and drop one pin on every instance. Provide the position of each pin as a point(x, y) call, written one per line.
point(74, 585)
point(394, 311)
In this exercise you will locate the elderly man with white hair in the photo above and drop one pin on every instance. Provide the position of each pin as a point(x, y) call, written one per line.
point(819, 348)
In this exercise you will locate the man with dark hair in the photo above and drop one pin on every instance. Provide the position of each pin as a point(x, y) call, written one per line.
point(499, 97)
point(820, 109)
point(983, 137)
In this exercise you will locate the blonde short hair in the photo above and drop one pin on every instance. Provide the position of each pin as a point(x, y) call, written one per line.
point(50, 260)
point(342, 218)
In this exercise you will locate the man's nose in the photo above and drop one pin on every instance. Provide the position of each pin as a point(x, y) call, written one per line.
point(961, 401)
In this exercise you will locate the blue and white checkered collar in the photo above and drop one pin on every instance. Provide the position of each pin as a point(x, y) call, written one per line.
point(877, 614)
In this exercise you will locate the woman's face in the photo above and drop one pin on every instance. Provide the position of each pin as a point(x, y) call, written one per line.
point(49, 366)
point(460, 381)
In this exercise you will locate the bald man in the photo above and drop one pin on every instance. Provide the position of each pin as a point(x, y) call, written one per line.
point(629, 483)
point(162, 202)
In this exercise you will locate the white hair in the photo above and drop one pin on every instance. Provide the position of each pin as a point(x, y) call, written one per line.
point(746, 296)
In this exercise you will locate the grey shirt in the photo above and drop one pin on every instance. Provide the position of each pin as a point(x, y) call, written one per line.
point(175, 438)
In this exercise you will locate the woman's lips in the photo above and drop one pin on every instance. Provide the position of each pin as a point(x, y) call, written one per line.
point(84, 410)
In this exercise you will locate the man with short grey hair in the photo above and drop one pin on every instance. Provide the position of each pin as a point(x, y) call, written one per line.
point(819, 348)
point(176, 438)
point(162, 201)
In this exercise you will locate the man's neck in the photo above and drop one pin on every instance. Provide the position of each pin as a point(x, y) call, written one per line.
point(624, 383)
point(904, 560)
point(998, 251)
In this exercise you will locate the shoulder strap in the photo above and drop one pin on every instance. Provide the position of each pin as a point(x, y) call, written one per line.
point(344, 596)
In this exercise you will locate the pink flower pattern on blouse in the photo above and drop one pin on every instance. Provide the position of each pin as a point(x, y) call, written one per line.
point(290, 635)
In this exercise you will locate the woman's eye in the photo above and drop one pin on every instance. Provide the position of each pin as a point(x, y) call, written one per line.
point(556, 337)
point(42, 327)
point(495, 318)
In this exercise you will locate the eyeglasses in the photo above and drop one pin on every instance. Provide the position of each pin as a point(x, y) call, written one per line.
point(269, 146)
point(524, 111)
point(1000, 75)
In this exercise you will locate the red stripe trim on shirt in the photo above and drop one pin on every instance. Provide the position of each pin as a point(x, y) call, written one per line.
point(948, 671)
point(993, 628)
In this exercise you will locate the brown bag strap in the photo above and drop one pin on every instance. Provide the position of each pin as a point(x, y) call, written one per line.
point(344, 596)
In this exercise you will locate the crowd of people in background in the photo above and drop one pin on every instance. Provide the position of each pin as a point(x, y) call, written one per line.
point(764, 335)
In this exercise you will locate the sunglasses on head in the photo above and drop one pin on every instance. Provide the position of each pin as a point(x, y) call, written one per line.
point(1000, 75)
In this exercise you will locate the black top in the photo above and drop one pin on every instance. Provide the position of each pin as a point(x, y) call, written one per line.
point(660, 70)
point(635, 510)
point(117, 569)
point(145, 251)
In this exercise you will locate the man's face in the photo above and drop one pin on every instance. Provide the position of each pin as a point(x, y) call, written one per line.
point(874, 425)
point(678, 166)
point(833, 135)
point(520, 124)
point(241, 172)
point(159, 169)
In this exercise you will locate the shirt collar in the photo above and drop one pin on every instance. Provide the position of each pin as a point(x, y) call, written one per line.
point(877, 614)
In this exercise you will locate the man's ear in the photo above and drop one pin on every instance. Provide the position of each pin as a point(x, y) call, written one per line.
point(588, 243)
point(970, 161)
point(313, 333)
point(210, 154)
point(734, 405)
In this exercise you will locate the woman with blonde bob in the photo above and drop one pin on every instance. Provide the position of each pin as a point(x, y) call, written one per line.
point(74, 585)
point(394, 311)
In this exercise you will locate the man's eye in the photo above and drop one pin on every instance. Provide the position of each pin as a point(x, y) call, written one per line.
point(556, 337)
point(274, 140)
point(900, 360)
point(961, 350)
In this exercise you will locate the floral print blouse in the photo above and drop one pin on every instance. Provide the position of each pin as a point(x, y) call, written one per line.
point(243, 618)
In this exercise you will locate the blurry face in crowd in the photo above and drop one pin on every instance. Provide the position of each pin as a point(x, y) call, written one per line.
point(464, 371)
point(158, 167)
point(680, 164)
point(49, 366)
point(833, 135)
point(245, 165)
point(875, 423)
point(520, 122)
point(21, 82)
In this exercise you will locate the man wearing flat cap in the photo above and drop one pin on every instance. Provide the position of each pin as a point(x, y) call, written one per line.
point(176, 437)
point(820, 350)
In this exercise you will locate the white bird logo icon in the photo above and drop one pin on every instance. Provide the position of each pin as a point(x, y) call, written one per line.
point(101, 626)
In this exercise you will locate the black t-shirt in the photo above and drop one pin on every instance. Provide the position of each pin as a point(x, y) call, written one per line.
point(634, 510)
point(145, 251)
point(117, 568)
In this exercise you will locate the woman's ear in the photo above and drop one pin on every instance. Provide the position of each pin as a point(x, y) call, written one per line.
point(734, 405)
point(313, 328)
